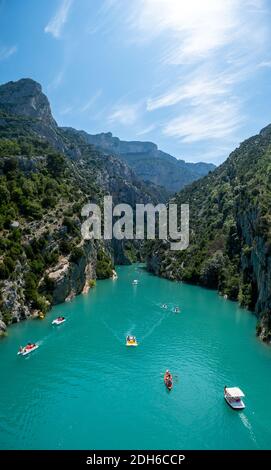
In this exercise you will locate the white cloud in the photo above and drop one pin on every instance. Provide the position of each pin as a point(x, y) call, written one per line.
point(146, 130)
point(198, 86)
point(91, 101)
point(264, 64)
point(125, 114)
point(195, 27)
point(216, 121)
point(6, 52)
point(56, 82)
point(66, 110)
point(57, 22)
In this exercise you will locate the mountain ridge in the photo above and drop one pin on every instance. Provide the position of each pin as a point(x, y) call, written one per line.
point(150, 163)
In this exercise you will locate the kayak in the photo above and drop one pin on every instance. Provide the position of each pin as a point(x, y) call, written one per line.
point(58, 321)
point(168, 381)
point(27, 350)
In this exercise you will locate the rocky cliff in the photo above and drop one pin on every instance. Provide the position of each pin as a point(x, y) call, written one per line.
point(46, 175)
point(230, 237)
point(149, 163)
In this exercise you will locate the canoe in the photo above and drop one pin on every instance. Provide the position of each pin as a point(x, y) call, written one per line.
point(168, 382)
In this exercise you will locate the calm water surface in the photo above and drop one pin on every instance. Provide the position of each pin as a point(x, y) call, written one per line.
point(83, 389)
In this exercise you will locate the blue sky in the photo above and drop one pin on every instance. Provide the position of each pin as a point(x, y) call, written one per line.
point(193, 76)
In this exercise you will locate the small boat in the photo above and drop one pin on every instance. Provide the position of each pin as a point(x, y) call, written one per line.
point(58, 321)
point(135, 282)
point(168, 380)
point(164, 306)
point(177, 310)
point(131, 341)
point(233, 396)
point(30, 347)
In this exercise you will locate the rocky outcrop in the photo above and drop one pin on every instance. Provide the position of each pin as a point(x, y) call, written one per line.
point(25, 98)
point(3, 328)
point(70, 278)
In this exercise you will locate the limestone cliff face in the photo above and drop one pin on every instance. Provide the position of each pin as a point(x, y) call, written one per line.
point(71, 278)
point(256, 266)
point(25, 98)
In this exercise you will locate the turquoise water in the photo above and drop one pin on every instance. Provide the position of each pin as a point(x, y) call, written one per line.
point(83, 389)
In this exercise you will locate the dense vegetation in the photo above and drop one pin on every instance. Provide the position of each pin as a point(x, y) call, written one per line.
point(230, 237)
point(33, 191)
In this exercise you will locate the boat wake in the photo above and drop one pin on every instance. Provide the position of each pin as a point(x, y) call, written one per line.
point(166, 315)
point(248, 425)
point(112, 331)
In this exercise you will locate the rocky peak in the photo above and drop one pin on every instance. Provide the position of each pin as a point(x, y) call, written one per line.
point(25, 97)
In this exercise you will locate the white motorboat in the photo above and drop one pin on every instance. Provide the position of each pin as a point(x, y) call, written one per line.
point(27, 349)
point(135, 282)
point(58, 321)
point(233, 396)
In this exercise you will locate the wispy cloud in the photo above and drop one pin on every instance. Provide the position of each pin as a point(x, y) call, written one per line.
point(265, 64)
point(57, 81)
point(196, 86)
point(57, 22)
point(6, 52)
point(124, 114)
point(146, 130)
point(216, 121)
point(66, 110)
point(90, 102)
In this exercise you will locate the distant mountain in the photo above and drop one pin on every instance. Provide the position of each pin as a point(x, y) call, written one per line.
point(149, 163)
point(230, 231)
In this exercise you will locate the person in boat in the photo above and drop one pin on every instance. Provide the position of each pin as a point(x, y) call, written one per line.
point(60, 318)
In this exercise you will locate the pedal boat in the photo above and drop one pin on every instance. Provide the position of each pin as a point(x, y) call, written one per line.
point(131, 341)
point(58, 321)
point(27, 349)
